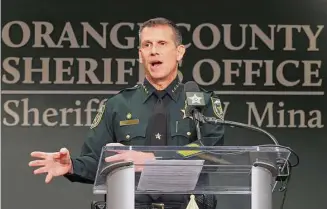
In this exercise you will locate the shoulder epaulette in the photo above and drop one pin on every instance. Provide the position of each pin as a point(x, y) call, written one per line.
point(130, 88)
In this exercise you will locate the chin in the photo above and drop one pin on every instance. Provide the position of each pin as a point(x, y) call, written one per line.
point(157, 75)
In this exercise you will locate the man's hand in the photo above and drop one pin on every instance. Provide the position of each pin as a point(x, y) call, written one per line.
point(137, 157)
point(54, 164)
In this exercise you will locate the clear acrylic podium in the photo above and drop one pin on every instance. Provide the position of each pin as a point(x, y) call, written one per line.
point(237, 170)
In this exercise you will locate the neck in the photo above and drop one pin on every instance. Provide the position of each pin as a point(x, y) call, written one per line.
point(161, 84)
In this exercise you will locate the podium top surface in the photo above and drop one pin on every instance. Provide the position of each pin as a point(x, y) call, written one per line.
point(196, 146)
point(191, 169)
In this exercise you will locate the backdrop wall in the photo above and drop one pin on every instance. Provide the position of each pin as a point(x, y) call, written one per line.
point(266, 60)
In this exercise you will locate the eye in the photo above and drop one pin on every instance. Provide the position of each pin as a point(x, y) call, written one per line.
point(145, 45)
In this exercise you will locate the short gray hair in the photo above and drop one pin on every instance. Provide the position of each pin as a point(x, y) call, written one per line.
point(163, 21)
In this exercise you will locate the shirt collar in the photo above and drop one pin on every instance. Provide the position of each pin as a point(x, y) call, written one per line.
point(173, 89)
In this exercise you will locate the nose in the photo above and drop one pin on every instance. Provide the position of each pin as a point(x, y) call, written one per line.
point(154, 50)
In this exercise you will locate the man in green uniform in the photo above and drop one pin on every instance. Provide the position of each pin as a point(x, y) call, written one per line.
point(127, 118)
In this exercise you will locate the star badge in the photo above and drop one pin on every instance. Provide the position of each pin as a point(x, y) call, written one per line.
point(158, 136)
point(195, 99)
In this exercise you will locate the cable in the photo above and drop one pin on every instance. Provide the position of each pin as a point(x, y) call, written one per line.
point(212, 120)
point(281, 146)
point(284, 188)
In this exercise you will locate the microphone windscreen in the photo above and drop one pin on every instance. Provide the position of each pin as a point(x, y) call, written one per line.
point(191, 86)
point(194, 97)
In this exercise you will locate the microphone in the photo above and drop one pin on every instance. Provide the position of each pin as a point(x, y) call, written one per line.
point(195, 99)
point(193, 104)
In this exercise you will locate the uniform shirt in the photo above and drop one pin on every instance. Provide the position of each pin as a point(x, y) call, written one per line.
point(124, 119)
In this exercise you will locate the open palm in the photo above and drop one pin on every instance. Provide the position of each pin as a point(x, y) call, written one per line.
point(54, 164)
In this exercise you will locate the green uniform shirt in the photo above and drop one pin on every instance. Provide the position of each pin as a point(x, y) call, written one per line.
point(124, 119)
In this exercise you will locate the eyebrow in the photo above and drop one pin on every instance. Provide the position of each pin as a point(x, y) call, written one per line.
point(147, 41)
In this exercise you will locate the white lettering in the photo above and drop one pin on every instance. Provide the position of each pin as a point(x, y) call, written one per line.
point(8, 110)
point(89, 30)
point(69, 36)
point(228, 37)
point(295, 118)
point(196, 37)
point(214, 67)
point(123, 69)
point(11, 70)
point(309, 73)
point(267, 40)
point(43, 31)
point(19, 113)
point(6, 36)
point(85, 73)
point(289, 35)
point(280, 75)
point(312, 37)
point(43, 70)
point(61, 71)
point(229, 71)
point(114, 36)
point(250, 71)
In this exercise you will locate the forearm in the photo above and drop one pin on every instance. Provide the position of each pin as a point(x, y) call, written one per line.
point(83, 170)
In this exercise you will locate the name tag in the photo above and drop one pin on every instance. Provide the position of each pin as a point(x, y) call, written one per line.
point(129, 122)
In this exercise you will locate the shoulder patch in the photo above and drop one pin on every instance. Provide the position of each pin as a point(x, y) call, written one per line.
point(98, 117)
point(217, 107)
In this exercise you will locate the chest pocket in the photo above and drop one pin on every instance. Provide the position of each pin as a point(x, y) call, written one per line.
point(183, 132)
point(131, 134)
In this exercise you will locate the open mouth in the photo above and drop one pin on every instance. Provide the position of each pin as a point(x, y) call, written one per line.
point(155, 63)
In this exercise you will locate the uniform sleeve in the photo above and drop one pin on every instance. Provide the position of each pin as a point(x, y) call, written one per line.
point(100, 133)
point(213, 135)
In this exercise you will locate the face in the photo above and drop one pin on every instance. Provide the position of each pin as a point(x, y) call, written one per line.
point(159, 53)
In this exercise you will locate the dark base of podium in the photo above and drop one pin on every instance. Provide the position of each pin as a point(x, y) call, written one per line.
point(98, 205)
point(203, 202)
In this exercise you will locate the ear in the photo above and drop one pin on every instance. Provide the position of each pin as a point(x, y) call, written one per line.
point(180, 52)
point(140, 56)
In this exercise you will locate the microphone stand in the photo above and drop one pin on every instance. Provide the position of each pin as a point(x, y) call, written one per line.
point(197, 120)
point(214, 121)
point(284, 167)
point(211, 120)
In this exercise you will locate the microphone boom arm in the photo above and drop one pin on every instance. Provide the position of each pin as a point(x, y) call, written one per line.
point(211, 120)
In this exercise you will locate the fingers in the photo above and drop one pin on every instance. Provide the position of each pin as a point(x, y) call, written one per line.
point(48, 178)
point(63, 153)
point(138, 168)
point(56, 155)
point(37, 163)
point(114, 158)
point(39, 154)
point(114, 144)
point(40, 170)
